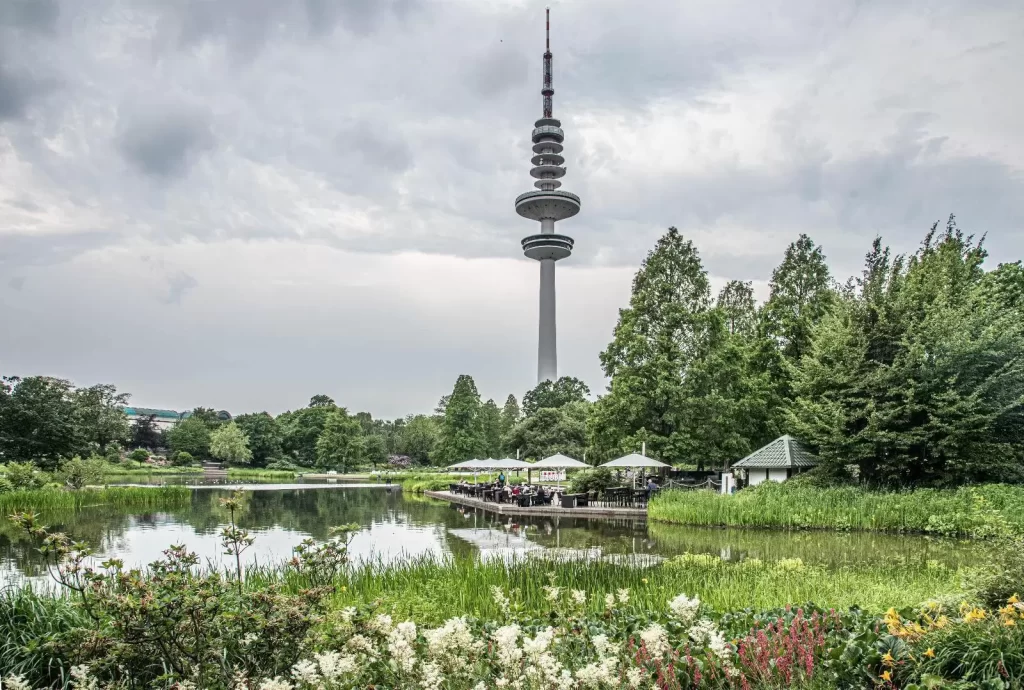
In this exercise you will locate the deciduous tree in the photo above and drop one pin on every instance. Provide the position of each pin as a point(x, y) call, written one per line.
point(567, 389)
point(340, 443)
point(264, 436)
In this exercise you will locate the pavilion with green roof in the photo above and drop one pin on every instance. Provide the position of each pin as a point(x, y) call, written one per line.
point(777, 461)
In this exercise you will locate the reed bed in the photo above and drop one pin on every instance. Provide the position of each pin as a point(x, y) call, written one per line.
point(252, 473)
point(979, 511)
point(433, 589)
point(124, 497)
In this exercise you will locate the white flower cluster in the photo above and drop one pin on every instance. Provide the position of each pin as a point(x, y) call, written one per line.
point(655, 639)
point(684, 609)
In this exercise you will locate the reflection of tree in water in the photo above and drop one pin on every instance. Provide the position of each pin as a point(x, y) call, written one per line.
point(315, 511)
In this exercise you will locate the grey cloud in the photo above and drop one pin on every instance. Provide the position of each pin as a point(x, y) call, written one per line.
point(177, 285)
point(16, 283)
point(17, 89)
point(36, 15)
point(501, 70)
point(22, 249)
point(375, 145)
point(164, 141)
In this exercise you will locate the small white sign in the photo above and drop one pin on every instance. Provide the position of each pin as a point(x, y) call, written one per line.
point(552, 475)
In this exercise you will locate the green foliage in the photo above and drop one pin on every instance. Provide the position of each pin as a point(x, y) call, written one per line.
point(210, 417)
point(230, 444)
point(301, 429)
point(597, 479)
point(140, 455)
point(375, 449)
point(321, 401)
point(5, 484)
point(800, 297)
point(553, 394)
point(25, 476)
point(552, 430)
point(264, 434)
point(182, 459)
point(736, 303)
point(461, 434)
point(490, 429)
point(340, 444)
point(688, 380)
point(101, 415)
point(39, 421)
point(1003, 574)
point(191, 436)
point(77, 473)
point(418, 438)
point(145, 434)
point(134, 497)
point(509, 418)
point(983, 511)
point(917, 377)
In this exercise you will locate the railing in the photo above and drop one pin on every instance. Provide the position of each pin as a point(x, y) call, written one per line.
point(548, 192)
point(549, 130)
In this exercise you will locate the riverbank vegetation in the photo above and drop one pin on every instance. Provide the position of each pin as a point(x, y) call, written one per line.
point(120, 497)
point(320, 622)
point(984, 511)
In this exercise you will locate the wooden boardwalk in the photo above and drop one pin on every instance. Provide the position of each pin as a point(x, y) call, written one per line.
point(512, 509)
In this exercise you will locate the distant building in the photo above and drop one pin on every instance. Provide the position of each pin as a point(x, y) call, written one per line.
point(776, 462)
point(162, 419)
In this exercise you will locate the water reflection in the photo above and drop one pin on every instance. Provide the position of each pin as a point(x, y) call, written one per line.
point(397, 526)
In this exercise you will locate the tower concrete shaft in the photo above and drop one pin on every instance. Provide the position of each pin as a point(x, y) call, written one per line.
point(547, 204)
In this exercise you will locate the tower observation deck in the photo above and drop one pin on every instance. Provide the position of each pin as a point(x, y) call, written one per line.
point(547, 204)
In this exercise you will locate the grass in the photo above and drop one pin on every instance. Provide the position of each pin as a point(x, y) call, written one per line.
point(254, 473)
point(981, 511)
point(128, 497)
point(146, 470)
point(433, 590)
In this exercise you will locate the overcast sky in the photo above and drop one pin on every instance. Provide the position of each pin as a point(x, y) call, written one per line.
point(242, 203)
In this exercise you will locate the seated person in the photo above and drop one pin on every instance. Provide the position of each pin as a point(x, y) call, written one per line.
point(516, 490)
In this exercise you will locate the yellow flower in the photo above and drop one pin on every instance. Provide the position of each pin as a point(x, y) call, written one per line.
point(930, 653)
point(888, 660)
point(644, 580)
point(974, 615)
point(1013, 600)
point(344, 588)
point(886, 676)
point(1009, 622)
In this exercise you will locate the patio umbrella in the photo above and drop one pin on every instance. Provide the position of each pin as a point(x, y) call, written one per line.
point(511, 464)
point(559, 461)
point(465, 465)
point(635, 460)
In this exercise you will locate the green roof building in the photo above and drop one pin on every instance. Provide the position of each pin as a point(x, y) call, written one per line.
point(777, 461)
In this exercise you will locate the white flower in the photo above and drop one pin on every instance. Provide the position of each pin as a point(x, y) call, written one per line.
point(433, 676)
point(552, 592)
point(684, 609)
point(602, 645)
point(81, 680)
point(16, 683)
point(635, 676)
point(276, 683)
point(506, 640)
point(609, 601)
point(400, 641)
point(451, 642)
point(347, 614)
point(333, 665)
point(623, 596)
point(540, 642)
point(500, 599)
point(407, 630)
point(655, 639)
point(358, 643)
point(579, 597)
point(305, 672)
point(381, 623)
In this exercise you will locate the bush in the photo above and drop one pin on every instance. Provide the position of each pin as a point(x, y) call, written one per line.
point(24, 475)
point(182, 459)
point(139, 455)
point(597, 479)
point(5, 485)
point(1003, 575)
point(283, 465)
point(77, 473)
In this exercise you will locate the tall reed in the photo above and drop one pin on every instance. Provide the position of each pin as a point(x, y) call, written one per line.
point(981, 511)
point(128, 497)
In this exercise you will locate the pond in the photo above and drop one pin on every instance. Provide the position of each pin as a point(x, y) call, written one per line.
point(396, 526)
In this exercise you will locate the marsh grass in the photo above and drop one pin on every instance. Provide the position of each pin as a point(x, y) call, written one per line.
point(980, 511)
point(122, 497)
point(255, 473)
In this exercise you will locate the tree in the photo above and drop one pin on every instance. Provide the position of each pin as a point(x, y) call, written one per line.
point(509, 418)
point(230, 444)
point(300, 431)
point(139, 455)
point(419, 438)
point(321, 401)
point(101, 415)
point(264, 436)
point(39, 421)
point(917, 376)
point(553, 430)
point(375, 449)
point(565, 390)
point(340, 443)
point(144, 433)
point(461, 436)
point(736, 302)
point(490, 428)
point(800, 297)
point(656, 341)
point(192, 436)
point(210, 417)
point(366, 422)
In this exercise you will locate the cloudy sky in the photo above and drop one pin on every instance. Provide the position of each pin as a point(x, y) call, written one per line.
point(242, 203)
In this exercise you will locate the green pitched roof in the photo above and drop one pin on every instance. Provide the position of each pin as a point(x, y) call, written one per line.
point(783, 452)
point(164, 414)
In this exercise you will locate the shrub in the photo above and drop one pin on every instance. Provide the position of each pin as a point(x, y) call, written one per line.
point(282, 465)
point(182, 459)
point(24, 475)
point(5, 485)
point(76, 473)
point(139, 455)
point(1003, 575)
point(598, 479)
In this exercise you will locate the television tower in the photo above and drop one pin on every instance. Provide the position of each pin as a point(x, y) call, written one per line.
point(547, 205)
